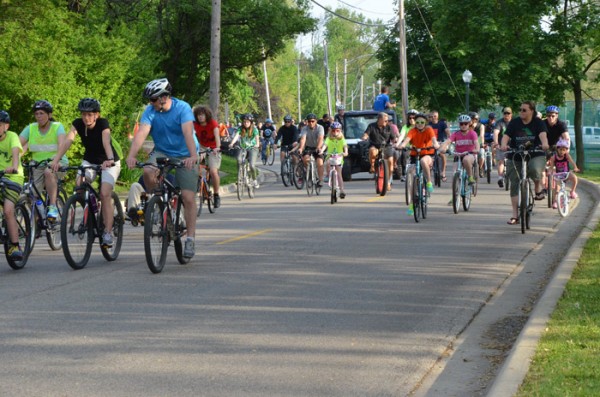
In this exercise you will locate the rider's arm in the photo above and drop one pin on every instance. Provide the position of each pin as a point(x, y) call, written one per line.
point(571, 161)
point(217, 139)
point(320, 141)
point(404, 143)
point(136, 144)
point(444, 146)
point(110, 156)
point(188, 133)
point(345, 150)
point(63, 147)
point(504, 144)
point(435, 143)
point(496, 134)
point(544, 140)
point(302, 143)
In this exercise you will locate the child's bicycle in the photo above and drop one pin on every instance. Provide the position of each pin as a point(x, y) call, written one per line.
point(487, 162)
point(419, 194)
point(562, 196)
point(37, 204)
point(461, 189)
point(82, 222)
point(205, 189)
point(23, 228)
point(335, 159)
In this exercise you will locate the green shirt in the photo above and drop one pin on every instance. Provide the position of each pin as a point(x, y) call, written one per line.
point(10, 141)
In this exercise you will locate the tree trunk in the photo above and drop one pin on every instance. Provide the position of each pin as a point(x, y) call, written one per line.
point(577, 91)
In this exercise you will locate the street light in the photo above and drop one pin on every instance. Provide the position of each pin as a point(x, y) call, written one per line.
point(467, 76)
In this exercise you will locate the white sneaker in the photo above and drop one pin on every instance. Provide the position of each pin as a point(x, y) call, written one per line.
point(189, 248)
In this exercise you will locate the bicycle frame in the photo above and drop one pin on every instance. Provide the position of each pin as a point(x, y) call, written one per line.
point(335, 160)
point(562, 196)
point(461, 190)
point(419, 190)
point(525, 201)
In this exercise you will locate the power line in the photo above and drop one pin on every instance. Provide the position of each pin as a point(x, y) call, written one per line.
point(361, 9)
point(352, 20)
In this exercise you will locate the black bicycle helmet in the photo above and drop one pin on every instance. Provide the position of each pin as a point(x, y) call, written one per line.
point(421, 116)
point(311, 116)
point(89, 105)
point(4, 117)
point(474, 115)
point(412, 112)
point(157, 88)
point(287, 118)
point(42, 105)
point(248, 116)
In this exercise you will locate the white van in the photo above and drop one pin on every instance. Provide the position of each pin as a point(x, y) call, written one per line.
point(591, 137)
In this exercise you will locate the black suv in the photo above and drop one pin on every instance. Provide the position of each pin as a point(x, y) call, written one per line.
point(355, 124)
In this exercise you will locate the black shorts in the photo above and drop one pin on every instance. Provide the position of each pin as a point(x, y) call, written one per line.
point(312, 151)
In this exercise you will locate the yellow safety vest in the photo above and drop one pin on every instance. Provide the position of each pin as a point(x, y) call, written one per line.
point(43, 146)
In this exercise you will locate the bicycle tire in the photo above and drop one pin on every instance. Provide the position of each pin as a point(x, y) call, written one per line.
point(563, 203)
point(35, 229)
point(210, 200)
point(424, 199)
point(437, 173)
point(24, 231)
point(270, 154)
point(488, 168)
point(416, 202)
point(456, 192)
point(378, 177)
point(299, 175)
point(179, 228)
point(466, 198)
point(53, 231)
point(523, 201)
point(316, 179)
point(241, 181)
point(475, 185)
point(408, 188)
point(285, 173)
point(76, 232)
point(386, 177)
point(112, 253)
point(333, 181)
point(156, 235)
point(201, 187)
point(249, 181)
point(550, 189)
point(308, 180)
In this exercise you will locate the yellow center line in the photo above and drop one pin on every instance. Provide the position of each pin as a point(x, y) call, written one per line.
point(375, 199)
point(259, 232)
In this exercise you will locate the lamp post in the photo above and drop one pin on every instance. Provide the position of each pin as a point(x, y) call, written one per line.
point(467, 76)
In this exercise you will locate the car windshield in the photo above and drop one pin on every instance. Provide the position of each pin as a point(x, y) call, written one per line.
point(355, 126)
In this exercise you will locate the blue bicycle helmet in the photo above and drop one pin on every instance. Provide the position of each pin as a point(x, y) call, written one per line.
point(552, 109)
point(268, 121)
point(336, 125)
point(42, 105)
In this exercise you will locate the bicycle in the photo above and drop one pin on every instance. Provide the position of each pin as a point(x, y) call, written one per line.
point(311, 179)
point(562, 196)
point(335, 160)
point(37, 204)
point(269, 156)
point(550, 184)
point(23, 228)
point(299, 176)
point(287, 166)
point(245, 178)
point(164, 217)
point(419, 194)
point(407, 182)
point(82, 222)
point(382, 172)
point(205, 188)
point(526, 186)
point(475, 174)
point(461, 189)
point(487, 163)
point(437, 169)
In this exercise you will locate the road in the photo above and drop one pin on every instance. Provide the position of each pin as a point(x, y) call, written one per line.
point(288, 296)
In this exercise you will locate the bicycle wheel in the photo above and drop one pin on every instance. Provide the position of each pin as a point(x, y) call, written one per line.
point(76, 232)
point(180, 229)
point(201, 187)
point(456, 192)
point(424, 199)
point(53, 230)
point(550, 189)
point(112, 253)
point(523, 201)
point(408, 188)
point(270, 154)
point(241, 181)
point(563, 203)
point(309, 181)
point(383, 177)
point(378, 177)
point(33, 221)
point(249, 181)
point(466, 199)
point(156, 235)
point(333, 181)
point(210, 200)
point(316, 178)
point(437, 172)
point(416, 198)
point(488, 168)
point(299, 176)
point(475, 185)
point(24, 231)
point(286, 177)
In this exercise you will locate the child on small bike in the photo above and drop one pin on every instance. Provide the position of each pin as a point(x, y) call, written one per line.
point(10, 162)
point(466, 140)
point(560, 161)
point(335, 143)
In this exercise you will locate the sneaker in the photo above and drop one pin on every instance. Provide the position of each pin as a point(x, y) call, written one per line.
point(132, 213)
point(501, 182)
point(319, 184)
point(429, 187)
point(410, 211)
point(188, 249)
point(471, 180)
point(554, 205)
point(402, 178)
point(14, 252)
point(256, 185)
point(481, 172)
point(573, 195)
point(217, 201)
point(107, 240)
point(342, 195)
point(52, 212)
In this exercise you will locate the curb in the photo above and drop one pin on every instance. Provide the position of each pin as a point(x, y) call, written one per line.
point(516, 366)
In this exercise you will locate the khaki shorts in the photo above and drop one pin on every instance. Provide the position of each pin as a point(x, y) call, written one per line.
point(11, 191)
point(213, 159)
point(184, 178)
point(535, 170)
point(109, 175)
point(38, 177)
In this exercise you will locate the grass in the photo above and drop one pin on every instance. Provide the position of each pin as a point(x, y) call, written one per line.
point(567, 360)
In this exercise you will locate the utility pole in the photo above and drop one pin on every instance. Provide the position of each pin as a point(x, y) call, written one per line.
point(345, 81)
point(215, 58)
point(362, 90)
point(327, 78)
point(299, 101)
point(337, 85)
point(402, 56)
point(267, 86)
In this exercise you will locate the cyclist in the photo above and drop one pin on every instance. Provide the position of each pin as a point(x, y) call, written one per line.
point(422, 136)
point(380, 133)
point(170, 122)
point(442, 133)
point(525, 129)
point(288, 135)
point(94, 132)
point(479, 129)
point(499, 130)
point(557, 129)
point(311, 140)
point(207, 132)
point(382, 101)
point(339, 116)
point(466, 140)
point(267, 136)
point(336, 143)
point(561, 160)
point(43, 138)
point(10, 162)
point(248, 136)
point(325, 122)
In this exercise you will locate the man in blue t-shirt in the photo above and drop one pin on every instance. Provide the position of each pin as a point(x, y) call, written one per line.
point(170, 123)
point(382, 101)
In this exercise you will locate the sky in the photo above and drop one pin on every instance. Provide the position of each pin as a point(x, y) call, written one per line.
point(373, 9)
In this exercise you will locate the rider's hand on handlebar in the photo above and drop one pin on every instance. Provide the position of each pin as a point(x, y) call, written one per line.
point(131, 162)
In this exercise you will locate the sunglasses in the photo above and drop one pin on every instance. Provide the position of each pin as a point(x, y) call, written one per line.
point(420, 122)
point(551, 114)
point(464, 123)
point(524, 110)
point(507, 113)
point(312, 121)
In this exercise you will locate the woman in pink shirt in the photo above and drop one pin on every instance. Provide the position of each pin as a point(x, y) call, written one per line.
point(465, 140)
